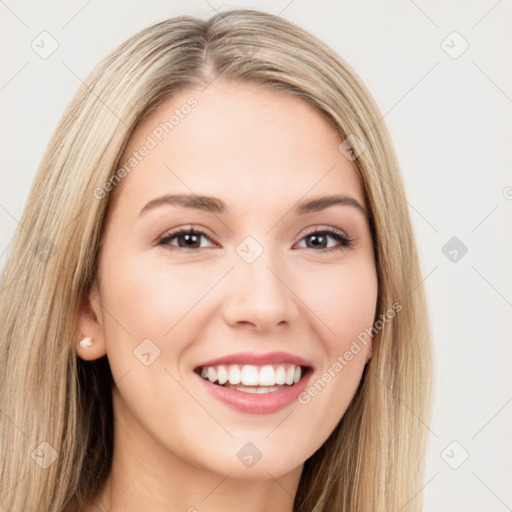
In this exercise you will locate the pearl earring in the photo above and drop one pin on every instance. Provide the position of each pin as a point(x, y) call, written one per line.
point(86, 342)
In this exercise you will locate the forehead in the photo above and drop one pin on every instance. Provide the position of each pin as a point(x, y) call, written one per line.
point(244, 143)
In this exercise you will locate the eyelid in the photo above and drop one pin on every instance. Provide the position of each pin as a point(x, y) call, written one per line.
point(320, 228)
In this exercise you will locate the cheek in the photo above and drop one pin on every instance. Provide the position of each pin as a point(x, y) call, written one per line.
point(149, 298)
point(344, 299)
point(345, 303)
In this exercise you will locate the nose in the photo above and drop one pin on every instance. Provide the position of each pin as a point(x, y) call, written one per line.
point(260, 295)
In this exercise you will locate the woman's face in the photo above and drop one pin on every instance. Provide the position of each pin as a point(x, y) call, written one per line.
point(250, 291)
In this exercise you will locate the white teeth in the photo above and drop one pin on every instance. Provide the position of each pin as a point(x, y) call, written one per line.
point(266, 377)
point(249, 375)
point(222, 374)
point(289, 375)
point(280, 375)
point(235, 377)
point(212, 374)
point(258, 389)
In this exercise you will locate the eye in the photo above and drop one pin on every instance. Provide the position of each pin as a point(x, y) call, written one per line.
point(188, 239)
point(319, 238)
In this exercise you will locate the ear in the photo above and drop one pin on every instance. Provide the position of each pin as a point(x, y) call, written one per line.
point(90, 323)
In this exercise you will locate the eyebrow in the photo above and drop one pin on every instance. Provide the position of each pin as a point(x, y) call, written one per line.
point(215, 205)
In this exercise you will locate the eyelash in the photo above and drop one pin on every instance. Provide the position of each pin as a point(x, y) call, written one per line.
point(345, 241)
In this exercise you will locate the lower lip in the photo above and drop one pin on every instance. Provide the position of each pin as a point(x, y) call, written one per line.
point(257, 403)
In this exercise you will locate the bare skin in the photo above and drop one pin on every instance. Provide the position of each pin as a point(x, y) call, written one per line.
point(260, 152)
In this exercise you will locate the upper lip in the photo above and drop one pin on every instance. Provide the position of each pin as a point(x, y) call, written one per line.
point(257, 359)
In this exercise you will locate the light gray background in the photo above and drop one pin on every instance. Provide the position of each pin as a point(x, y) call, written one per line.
point(450, 122)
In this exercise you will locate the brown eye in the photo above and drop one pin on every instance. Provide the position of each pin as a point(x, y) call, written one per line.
point(188, 239)
point(319, 239)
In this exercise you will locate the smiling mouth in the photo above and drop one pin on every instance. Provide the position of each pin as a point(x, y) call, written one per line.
point(250, 378)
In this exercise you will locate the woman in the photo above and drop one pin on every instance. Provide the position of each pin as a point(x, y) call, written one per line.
point(213, 302)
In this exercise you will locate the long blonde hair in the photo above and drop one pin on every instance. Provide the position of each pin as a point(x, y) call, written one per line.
point(56, 406)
